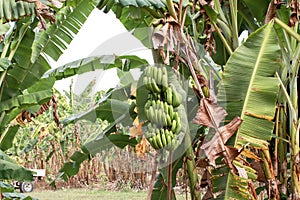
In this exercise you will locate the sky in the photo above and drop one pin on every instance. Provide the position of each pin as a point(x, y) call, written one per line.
point(101, 34)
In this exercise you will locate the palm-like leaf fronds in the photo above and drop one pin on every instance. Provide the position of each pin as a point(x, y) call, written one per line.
point(54, 40)
point(10, 10)
point(250, 91)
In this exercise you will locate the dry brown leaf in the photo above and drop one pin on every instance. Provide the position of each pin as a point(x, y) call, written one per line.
point(167, 38)
point(190, 54)
point(249, 154)
point(44, 12)
point(136, 129)
point(297, 165)
point(232, 153)
point(216, 146)
point(209, 114)
point(259, 168)
point(202, 163)
point(206, 181)
point(140, 148)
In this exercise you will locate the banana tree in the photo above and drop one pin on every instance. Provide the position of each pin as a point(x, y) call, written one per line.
point(250, 89)
point(198, 41)
point(33, 35)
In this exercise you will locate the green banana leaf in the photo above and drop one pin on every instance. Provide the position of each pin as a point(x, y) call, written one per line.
point(106, 5)
point(93, 63)
point(30, 47)
point(10, 10)
point(26, 100)
point(9, 169)
point(55, 39)
point(250, 91)
point(30, 100)
point(6, 139)
point(258, 8)
point(22, 74)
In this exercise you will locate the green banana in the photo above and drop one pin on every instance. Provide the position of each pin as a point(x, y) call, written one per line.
point(164, 70)
point(175, 116)
point(176, 96)
point(171, 111)
point(169, 96)
point(159, 118)
point(166, 107)
point(176, 99)
point(153, 103)
point(146, 83)
point(153, 84)
point(162, 106)
point(150, 87)
point(164, 82)
point(174, 125)
point(171, 134)
point(163, 137)
point(169, 121)
point(169, 139)
point(159, 76)
point(154, 142)
point(154, 73)
point(151, 114)
point(165, 119)
point(158, 104)
point(178, 127)
point(156, 117)
point(148, 71)
point(158, 140)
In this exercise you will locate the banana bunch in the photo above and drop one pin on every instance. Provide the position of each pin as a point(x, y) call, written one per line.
point(156, 79)
point(161, 138)
point(161, 109)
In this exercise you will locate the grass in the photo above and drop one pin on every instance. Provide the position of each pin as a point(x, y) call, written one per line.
point(86, 194)
point(89, 194)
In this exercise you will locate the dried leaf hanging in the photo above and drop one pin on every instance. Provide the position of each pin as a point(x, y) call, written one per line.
point(167, 38)
point(44, 12)
point(25, 115)
point(209, 114)
point(215, 147)
point(140, 148)
point(136, 129)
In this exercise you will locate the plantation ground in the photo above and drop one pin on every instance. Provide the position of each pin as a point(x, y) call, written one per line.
point(85, 194)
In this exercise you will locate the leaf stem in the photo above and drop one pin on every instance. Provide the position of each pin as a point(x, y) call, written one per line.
point(171, 9)
point(233, 11)
point(153, 177)
point(228, 48)
point(169, 185)
point(191, 169)
point(287, 29)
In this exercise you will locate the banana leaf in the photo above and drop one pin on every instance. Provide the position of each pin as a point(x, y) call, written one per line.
point(94, 63)
point(250, 91)
point(9, 169)
point(55, 39)
point(10, 10)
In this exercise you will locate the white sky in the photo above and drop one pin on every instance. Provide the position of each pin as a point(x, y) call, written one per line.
point(101, 34)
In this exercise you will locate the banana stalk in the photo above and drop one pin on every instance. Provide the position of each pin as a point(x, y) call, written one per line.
point(191, 168)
